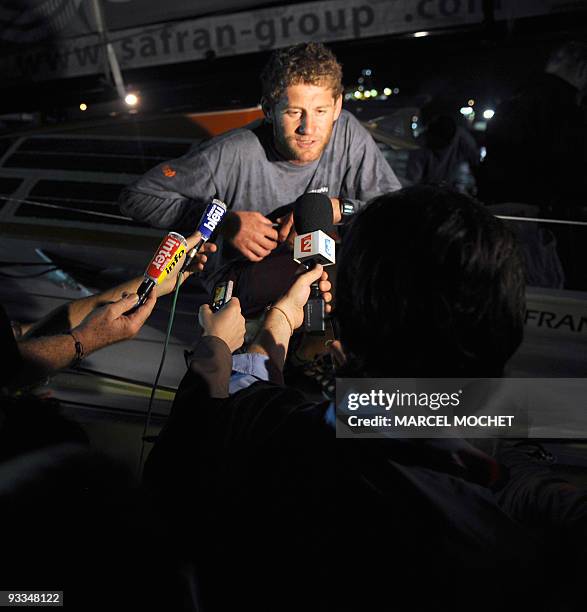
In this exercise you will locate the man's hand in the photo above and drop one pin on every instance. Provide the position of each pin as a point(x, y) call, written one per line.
point(228, 323)
point(250, 233)
point(336, 215)
point(168, 285)
point(108, 324)
point(287, 231)
point(293, 302)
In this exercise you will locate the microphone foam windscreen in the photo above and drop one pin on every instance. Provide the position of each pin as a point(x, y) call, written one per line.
point(313, 211)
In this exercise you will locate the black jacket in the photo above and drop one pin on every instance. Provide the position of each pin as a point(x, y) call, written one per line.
point(277, 514)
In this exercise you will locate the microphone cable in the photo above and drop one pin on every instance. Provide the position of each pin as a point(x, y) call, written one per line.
point(158, 375)
point(211, 217)
point(144, 438)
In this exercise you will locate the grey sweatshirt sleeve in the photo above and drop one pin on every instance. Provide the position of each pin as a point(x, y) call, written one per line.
point(173, 194)
point(369, 174)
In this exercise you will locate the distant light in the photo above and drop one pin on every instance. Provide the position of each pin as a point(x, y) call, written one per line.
point(361, 79)
point(83, 106)
point(131, 99)
point(415, 118)
point(414, 125)
point(348, 96)
point(360, 88)
point(466, 110)
point(488, 113)
point(367, 71)
point(420, 34)
point(357, 94)
point(374, 93)
point(396, 90)
point(387, 91)
point(367, 94)
point(483, 153)
point(471, 102)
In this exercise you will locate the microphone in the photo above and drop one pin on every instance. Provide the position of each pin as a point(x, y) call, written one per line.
point(209, 221)
point(312, 220)
point(313, 211)
point(167, 256)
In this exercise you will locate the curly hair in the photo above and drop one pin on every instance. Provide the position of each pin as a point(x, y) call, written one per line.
point(309, 63)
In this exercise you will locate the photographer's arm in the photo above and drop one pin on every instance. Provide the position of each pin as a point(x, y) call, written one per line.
point(211, 358)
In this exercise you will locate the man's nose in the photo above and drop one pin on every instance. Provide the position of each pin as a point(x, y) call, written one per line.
point(307, 124)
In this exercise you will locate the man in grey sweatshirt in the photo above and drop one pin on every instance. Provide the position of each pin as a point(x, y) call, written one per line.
point(307, 143)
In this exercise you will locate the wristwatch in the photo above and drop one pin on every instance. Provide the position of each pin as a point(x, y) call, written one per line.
point(347, 208)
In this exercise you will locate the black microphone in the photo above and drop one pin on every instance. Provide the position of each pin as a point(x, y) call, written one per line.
point(313, 211)
point(313, 221)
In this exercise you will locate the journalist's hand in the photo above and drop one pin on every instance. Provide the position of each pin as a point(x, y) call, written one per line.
point(295, 299)
point(168, 285)
point(228, 323)
point(108, 324)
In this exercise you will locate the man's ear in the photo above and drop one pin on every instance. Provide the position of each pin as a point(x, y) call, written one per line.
point(337, 107)
point(267, 109)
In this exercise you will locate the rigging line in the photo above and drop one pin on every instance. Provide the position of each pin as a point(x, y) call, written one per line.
point(541, 220)
point(57, 206)
point(36, 275)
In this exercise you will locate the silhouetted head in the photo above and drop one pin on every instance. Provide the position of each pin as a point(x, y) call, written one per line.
point(438, 117)
point(429, 284)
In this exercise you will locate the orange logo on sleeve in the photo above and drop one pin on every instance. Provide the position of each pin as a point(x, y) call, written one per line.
point(169, 172)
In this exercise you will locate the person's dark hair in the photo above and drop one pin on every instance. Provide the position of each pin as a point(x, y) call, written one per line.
point(429, 283)
point(309, 63)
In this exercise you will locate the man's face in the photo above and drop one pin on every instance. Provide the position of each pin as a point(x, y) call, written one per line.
point(303, 120)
